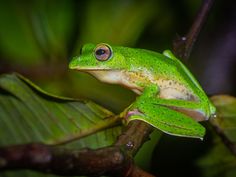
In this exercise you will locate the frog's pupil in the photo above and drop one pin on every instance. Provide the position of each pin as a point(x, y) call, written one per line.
point(100, 52)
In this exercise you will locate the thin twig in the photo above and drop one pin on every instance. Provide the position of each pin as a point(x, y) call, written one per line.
point(182, 46)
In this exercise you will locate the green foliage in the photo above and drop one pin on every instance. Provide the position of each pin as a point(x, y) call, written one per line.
point(116, 22)
point(35, 31)
point(29, 114)
point(220, 161)
point(226, 116)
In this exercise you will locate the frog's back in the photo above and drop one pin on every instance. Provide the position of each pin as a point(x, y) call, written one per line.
point(173, 78)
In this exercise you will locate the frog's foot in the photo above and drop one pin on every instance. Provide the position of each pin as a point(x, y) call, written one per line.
point(131, 113)
point(166, 120)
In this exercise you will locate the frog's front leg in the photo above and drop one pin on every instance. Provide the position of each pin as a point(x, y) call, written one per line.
point(153, 110)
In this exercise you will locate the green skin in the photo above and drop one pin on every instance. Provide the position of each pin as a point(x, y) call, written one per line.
point(170, 97)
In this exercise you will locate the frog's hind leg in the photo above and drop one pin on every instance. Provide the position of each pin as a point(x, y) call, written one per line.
point(159, 113)
point(195, 110)
point(167, 120)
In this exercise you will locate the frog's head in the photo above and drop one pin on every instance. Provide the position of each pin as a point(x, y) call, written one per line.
point(103, 62)
point(98, 57)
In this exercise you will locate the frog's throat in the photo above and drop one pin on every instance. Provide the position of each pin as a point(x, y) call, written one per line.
point(116, 77)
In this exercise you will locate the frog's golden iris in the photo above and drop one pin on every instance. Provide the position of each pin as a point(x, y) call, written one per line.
point(102, 52)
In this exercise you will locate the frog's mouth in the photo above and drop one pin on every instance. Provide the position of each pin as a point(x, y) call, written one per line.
point(87, 68)
point(92, 69)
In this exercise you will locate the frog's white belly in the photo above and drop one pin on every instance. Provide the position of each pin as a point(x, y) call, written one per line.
point(116, 77)
point(169, 89)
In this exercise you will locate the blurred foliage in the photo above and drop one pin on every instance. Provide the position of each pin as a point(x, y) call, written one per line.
point(226, 116)
point(36, 31)
point(116, 22)
point(38, 38)
point(220, 161)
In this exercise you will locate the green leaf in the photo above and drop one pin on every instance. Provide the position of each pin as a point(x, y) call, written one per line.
point(28, 114)
point(226, 116)
point(220, 161)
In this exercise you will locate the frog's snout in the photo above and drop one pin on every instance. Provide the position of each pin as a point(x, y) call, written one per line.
point(74, 63)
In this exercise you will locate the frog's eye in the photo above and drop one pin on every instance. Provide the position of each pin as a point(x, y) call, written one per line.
point(102, 52)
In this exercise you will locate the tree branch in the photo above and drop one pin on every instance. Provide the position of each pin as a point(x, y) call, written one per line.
point(136, 133)
point(116, 160)
point(60, 161)
point(182, 46)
